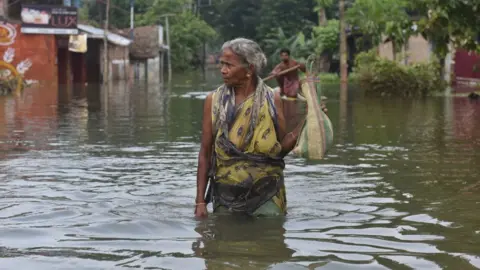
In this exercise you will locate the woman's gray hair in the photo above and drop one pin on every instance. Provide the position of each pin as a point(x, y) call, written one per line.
point(249, 50)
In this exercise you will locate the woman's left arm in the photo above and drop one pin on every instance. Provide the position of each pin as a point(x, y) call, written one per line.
point(289, 140)
point(282, 126)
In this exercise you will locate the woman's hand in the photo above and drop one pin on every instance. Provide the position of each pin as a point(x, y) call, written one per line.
point(201, 210)
point(322, 104)
point(324, 107)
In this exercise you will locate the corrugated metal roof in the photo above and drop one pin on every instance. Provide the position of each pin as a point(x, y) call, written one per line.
point(93, 32)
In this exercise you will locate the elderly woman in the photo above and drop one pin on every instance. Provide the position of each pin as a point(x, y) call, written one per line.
point(243, 138)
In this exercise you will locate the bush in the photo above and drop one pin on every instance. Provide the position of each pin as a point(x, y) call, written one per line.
point(329, 78)
point(385, 77)
point(366, 58)
point(333, 78)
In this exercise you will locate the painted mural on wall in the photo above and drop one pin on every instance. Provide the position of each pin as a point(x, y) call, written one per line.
point(12, 72)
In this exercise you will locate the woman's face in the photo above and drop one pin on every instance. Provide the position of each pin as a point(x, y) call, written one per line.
point(234, 70)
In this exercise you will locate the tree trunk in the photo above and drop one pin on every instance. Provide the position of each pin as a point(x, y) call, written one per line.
point(406, 49)
point(324, 62)
point(322, 17)
point(343, 53)
point(394, 50)
point(323, 58)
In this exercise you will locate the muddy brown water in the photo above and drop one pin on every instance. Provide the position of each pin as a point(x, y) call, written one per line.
point(105, 179)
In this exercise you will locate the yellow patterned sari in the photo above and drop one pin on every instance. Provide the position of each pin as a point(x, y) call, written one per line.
point(247, 169)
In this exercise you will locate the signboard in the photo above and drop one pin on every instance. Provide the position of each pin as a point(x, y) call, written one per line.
point(78, 43)
point(42, 19)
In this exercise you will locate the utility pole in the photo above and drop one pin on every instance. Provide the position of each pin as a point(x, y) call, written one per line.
point(343, 54)
point(169, 57)
point(204, 49)
point(167, 32)
point(105, 46)
point(132, 4)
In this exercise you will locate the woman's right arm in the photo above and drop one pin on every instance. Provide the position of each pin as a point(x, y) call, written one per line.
point(204, 157)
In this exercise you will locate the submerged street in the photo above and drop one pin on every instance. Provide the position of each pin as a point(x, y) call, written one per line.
point(105, 179)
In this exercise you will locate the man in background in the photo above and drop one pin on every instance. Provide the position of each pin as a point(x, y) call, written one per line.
point(289, 82)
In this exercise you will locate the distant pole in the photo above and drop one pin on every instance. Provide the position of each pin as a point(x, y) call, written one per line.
point(167, 32)
point(105, 46)
point(168, 52)
point(132, 4)
point(343, 53)
point(204, 45)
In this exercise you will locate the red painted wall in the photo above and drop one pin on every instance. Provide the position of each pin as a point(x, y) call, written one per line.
point(465, 63)
point(40, 49)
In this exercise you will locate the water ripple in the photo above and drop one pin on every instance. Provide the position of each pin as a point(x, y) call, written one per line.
point(112, 186)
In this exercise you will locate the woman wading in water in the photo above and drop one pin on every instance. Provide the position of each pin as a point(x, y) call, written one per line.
point(243, 139)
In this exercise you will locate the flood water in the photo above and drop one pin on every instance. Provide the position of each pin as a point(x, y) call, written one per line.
point(95, 179)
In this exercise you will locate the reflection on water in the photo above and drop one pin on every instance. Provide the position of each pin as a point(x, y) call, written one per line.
point(103, 179)
point(239, 242)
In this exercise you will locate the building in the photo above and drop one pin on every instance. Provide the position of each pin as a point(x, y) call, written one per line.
point(462, 68)
point(147, 52)
point(34, 43)
point(118, 55)
point(466, 68)
point(417, 50)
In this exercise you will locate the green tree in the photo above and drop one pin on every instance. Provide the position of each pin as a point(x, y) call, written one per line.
point(233, 18)
point(292, 16)
point(445, 21)
point(327, 40)
point(93, 12)
point(379, 18)
point(321, 7)
point(299, 46)
point(188, 32)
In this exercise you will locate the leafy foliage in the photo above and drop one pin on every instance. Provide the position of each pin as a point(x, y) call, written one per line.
point(327, 37)
point(323, 4)
point(233, 18)
point(188, 31)
point(300, 47)
point(382, 17)
point(292, 16)
point(388, 78)
point(442, 21)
